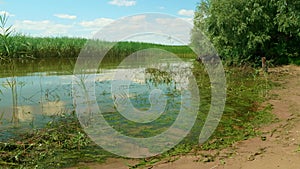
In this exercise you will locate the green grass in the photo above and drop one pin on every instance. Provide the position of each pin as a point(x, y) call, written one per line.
point(241, 118)
point(26, 47)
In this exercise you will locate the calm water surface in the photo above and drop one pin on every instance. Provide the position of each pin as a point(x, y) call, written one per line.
point(35, 92)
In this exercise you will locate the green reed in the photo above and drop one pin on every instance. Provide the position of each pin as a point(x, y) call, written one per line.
point(17, 46)
point(20, 46)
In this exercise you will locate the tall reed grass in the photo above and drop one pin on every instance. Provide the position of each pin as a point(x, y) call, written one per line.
point(20, 46)
point(14, 45)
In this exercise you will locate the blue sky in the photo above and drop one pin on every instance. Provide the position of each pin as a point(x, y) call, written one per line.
point(83, 18)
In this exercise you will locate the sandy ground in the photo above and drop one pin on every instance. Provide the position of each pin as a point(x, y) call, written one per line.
point(277, 151)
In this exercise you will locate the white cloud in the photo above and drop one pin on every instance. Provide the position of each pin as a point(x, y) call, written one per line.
point(137, 18)
point(161, 8)
point(178, 28)
point(138, 27)
point(189, 20)
point(154, 28)
point(184, 12)
point(6, 13)
point(122, 2)
point(92, 27)
point(174, 22)
point(43, 28)
point(50, 28)
point(123, 28)
point(97, 23)
point(65, 16)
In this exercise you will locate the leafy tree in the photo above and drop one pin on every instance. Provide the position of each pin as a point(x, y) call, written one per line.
point(246, 30)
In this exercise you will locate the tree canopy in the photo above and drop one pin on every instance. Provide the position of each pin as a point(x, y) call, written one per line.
point(246, 30)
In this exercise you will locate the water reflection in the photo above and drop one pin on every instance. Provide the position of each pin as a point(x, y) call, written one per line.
point(34, 95)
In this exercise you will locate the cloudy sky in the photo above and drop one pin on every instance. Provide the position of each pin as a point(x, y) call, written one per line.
point(83, 18)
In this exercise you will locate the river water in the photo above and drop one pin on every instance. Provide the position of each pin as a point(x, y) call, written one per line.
point(34, 93)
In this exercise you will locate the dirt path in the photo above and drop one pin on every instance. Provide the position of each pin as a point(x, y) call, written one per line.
point(279, 149)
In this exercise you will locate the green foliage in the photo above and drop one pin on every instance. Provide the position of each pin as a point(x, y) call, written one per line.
point(241, 117)
point(4, 34)
point(34, 47)
point(25, 47)
point(246, 30)
point(61, 143)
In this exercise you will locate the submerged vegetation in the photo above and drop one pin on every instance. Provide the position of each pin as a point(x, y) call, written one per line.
point(63, 142)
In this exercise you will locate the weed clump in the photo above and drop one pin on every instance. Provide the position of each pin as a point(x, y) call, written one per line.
point(61, 143)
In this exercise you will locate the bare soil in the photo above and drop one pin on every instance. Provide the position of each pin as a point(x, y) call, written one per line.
point(277, 149)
